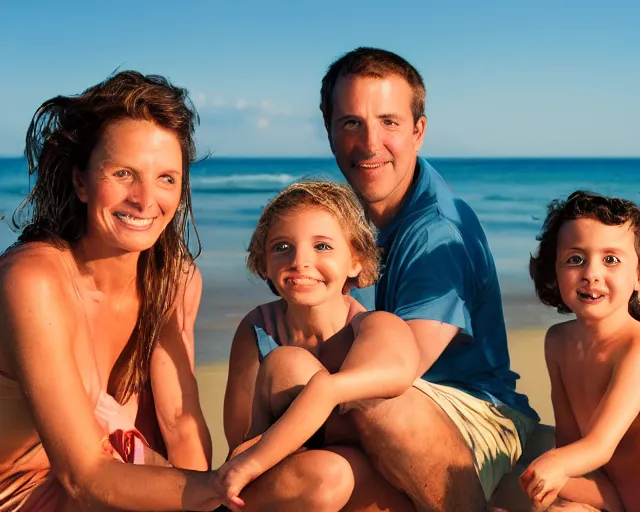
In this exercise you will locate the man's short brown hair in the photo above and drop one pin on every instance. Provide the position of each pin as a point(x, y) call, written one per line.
point(371, 63)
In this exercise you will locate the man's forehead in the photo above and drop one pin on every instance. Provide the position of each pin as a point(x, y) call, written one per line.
point(350, 87)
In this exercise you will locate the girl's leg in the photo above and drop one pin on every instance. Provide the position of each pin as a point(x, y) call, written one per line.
point(281, 377)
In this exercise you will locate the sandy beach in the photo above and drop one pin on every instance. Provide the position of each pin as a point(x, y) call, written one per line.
point(527, 359)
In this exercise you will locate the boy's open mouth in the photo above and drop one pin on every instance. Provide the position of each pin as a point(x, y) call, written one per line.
point(590, 296)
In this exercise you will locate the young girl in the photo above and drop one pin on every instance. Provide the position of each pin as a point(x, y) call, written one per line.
point(312, 245)
point(587, 263)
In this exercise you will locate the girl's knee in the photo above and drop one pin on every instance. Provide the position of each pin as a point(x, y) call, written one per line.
point(288, 357)
point(329, 480)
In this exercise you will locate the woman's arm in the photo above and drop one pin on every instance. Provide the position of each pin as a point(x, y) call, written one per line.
point(37, 312)
point(241, 383)
point(175, 390)
point(382, 363)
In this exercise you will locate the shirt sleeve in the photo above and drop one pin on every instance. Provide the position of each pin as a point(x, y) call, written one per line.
point(433, 280)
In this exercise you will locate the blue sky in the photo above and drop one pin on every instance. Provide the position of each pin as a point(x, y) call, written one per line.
point(504, 78)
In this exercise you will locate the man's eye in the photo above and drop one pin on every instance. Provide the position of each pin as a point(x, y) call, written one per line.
point(351, 124)
point(122, 173)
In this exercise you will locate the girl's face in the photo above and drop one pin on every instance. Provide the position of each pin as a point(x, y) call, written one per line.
point(308, 256)
point(596, 267)
point(132, 184)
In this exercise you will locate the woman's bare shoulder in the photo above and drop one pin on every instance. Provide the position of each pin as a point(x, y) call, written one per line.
point(34, 261)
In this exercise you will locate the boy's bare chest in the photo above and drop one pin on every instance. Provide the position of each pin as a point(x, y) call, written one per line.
point(585, 379)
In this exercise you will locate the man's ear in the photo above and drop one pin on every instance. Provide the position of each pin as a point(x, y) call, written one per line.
point(419, 130)
point(79, 184)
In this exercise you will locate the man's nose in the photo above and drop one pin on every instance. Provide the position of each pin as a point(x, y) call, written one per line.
point(371, 138)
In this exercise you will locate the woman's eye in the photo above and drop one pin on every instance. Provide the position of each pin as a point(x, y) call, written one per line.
point(575, 260)
point(168, 179)
point(611, 260)
point(323, 247)
point(281, 247)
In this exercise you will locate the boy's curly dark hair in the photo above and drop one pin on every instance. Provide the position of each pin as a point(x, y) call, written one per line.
point(611, 211)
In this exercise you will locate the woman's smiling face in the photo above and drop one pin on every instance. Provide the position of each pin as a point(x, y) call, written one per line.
point(132, 184)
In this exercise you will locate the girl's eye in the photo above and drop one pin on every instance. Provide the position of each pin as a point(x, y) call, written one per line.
point(281, 247)
point(322, 247)
point(122, 173)
point(575, 260)
point(611, 260)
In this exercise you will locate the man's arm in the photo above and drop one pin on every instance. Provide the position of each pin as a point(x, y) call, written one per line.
point(431, 288)
point(432, 338)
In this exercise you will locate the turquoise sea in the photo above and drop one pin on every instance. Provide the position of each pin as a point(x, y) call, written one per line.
point(509, 195)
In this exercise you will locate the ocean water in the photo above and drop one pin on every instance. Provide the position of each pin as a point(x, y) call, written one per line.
point(509, 196)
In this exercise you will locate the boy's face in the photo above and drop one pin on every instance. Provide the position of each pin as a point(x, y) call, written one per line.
point(308, 256)
point(596, 267)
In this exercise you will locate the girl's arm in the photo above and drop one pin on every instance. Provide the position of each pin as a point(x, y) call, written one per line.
point(241, 382)
point(173, 381)
point(382, 363)
point(38, 317)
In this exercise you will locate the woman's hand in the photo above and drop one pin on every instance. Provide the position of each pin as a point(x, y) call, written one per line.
point(543, 480)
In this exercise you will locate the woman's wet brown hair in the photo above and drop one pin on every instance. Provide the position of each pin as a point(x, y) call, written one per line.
point(611, 211)
point(339, 201)
point(61, 137)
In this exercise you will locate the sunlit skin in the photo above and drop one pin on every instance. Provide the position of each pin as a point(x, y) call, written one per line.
point(309, 259)
point(67, 315)
point(375, 140)
point(596, 269)
point(132, 186)
point(594, 367)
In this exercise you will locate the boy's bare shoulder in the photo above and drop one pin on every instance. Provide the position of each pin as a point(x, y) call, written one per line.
point(558, 338)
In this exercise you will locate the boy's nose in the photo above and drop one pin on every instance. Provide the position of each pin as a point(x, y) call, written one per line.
point(592, 272)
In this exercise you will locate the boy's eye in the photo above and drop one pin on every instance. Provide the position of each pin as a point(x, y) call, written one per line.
point(322, 247)
point(281, 247)
point(575, 260)
point(611, 260)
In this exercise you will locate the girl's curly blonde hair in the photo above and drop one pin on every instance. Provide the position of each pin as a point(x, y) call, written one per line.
point(340, 202)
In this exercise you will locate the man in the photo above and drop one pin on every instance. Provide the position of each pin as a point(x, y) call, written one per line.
point(449, 439)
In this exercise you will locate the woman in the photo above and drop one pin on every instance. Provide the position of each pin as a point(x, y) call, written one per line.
point(97, 307)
